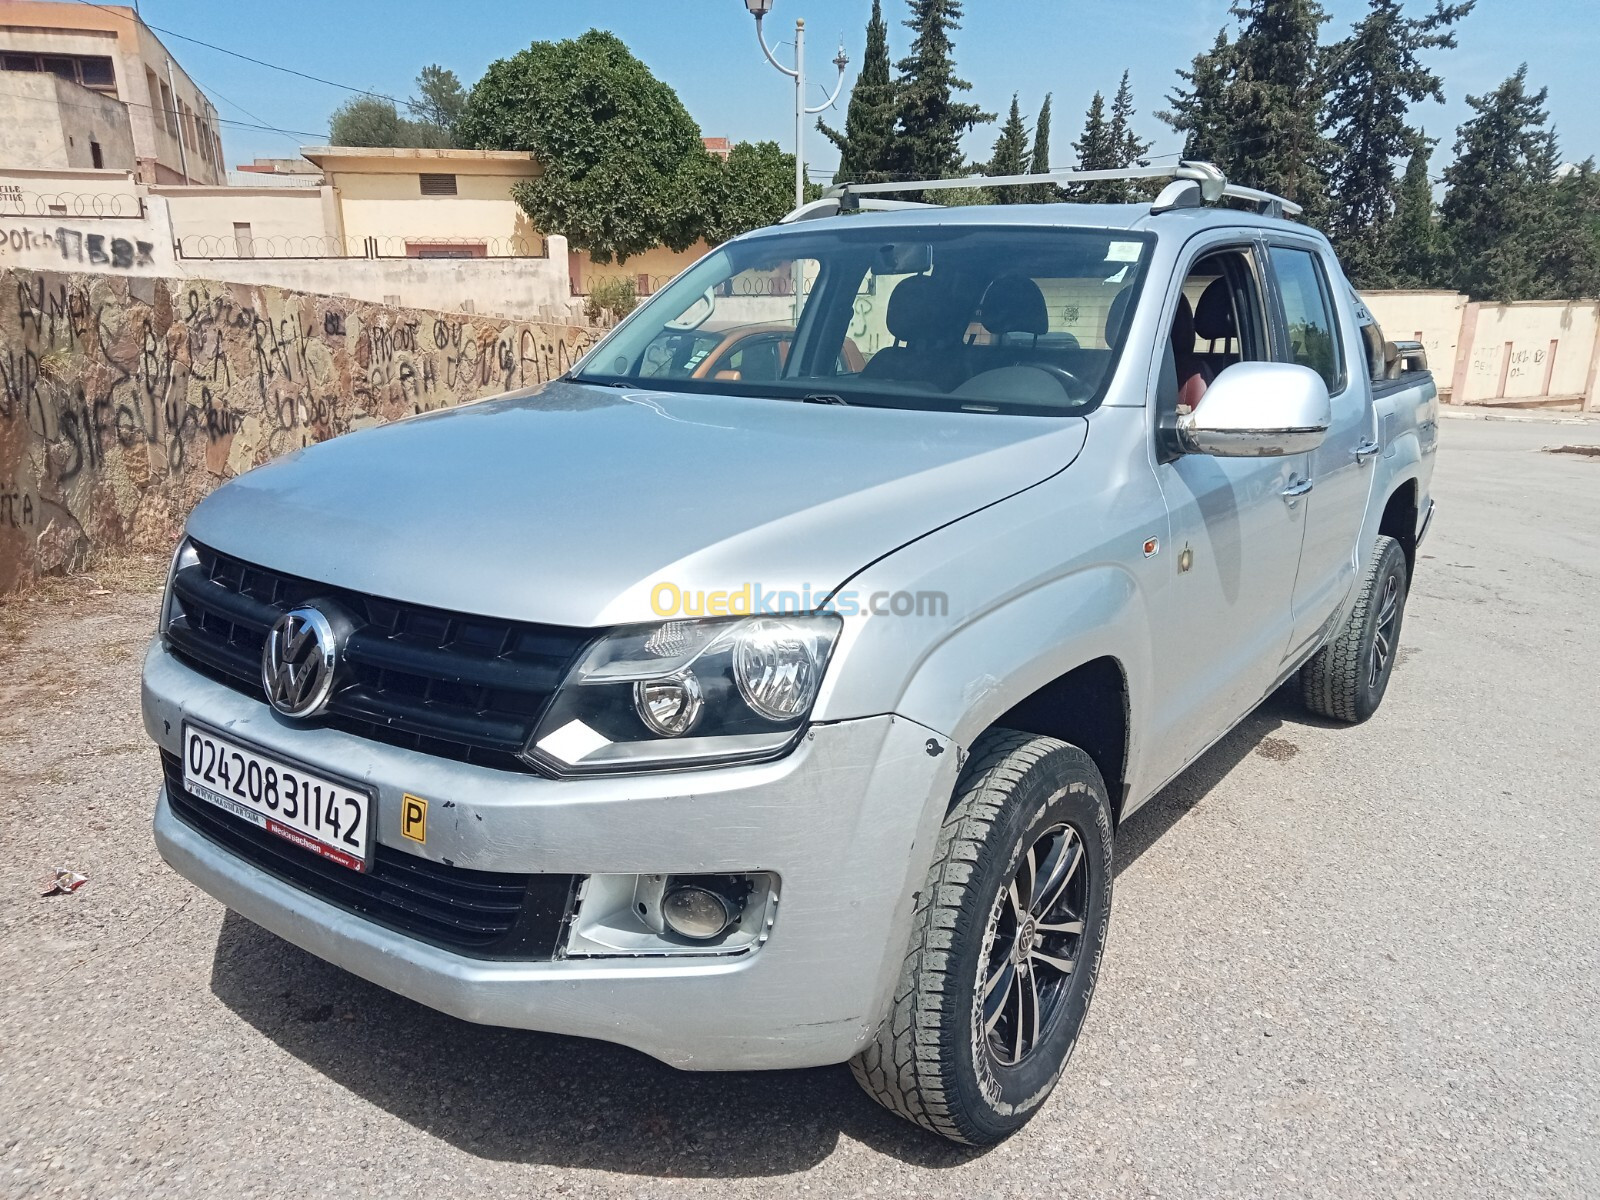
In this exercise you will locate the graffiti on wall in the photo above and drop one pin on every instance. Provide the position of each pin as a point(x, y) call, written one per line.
point(123, 400)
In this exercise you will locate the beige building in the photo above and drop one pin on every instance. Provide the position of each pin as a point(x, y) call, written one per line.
point(102, 58)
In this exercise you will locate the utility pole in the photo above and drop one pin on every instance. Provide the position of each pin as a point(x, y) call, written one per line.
point(759, 9)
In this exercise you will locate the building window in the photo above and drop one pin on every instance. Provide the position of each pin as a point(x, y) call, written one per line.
point(92, 71)
point(243, 240)
point(438, 185)
point(95, 157)
point(168, 111)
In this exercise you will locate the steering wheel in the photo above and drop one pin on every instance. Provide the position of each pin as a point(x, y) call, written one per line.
point(1074, 387)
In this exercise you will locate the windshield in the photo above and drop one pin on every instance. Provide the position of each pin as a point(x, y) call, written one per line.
point(986, 319)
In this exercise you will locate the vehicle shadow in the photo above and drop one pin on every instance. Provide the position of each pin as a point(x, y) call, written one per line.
point(511, 1095)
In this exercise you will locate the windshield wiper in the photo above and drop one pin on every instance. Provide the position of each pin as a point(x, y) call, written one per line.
point(824, 398)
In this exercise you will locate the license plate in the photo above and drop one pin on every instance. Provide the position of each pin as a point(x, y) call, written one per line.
point(323, 815)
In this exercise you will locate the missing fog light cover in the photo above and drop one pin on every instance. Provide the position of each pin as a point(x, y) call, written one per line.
point(696, 912)
point(669, 706)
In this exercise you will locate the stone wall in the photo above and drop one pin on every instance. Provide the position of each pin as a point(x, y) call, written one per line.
point(124, 400)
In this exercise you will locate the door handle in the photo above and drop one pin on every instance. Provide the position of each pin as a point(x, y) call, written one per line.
point(1291, 494)
point(1366, 450)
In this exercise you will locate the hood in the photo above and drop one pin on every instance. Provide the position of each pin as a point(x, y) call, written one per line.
point(568, 505)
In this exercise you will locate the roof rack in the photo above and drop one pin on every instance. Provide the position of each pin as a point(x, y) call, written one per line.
point(1193, 184)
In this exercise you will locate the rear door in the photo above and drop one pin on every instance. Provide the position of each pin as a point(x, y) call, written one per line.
point(1316, 333)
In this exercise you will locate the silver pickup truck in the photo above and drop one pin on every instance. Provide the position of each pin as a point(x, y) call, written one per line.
point(785, 713)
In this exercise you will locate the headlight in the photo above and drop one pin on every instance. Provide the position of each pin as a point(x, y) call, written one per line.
point(687, 693)
point(183, 557)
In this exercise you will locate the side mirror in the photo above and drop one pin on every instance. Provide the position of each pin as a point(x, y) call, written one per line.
point(1259, 410)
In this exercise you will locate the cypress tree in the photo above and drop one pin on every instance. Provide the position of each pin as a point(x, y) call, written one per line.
point(1128, 148)
point(1496, 212)
point(1039, 160)
point(1010, 154)
point(1377, 75)
point(929, 121)
point(866, 147)
point(1411, 243)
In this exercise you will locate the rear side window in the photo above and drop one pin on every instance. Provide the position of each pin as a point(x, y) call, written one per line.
point(1308, 313)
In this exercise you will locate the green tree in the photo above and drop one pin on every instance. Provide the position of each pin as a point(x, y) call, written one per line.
point(866, 147)
point(1572, 243)
point(1411, 242)
point(752, 189)
point(1377, 74)
point(1496, 214)
point(1010, 155)
point(1255, 105)
point(929, 120)
point(1130, 147)
point(439, 98)
point(365, 121)
point(1039, 160)
point(1204, 111)
point(1097, 152)
point(624, 169)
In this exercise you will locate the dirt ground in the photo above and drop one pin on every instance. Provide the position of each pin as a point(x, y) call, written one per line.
point(1342, 961)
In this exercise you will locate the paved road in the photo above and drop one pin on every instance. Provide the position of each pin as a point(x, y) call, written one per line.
point(1343, 962)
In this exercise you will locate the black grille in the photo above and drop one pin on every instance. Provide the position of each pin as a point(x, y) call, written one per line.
point(463, 687)
point(483, 914)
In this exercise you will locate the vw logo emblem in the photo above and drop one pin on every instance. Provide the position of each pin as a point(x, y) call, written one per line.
point(298, 661)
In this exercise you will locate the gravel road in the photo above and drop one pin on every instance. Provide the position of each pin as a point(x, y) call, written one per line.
point(1343, 961)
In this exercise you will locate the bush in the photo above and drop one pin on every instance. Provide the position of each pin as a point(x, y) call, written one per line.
point(611, 298)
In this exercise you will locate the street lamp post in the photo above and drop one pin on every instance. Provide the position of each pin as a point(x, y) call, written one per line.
point(759, 9)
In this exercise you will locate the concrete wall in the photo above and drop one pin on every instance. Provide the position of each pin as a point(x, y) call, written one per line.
point(534, 289)
point(1539, 351)
point(1430, 317)
point(53, 123)
point(658, 265)
point(125, 399)
point(297, 221)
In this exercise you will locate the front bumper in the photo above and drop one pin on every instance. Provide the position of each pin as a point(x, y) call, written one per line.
point(847, 822)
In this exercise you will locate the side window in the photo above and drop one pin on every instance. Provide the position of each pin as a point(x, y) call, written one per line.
point(1308, 313)
point(1220, 320)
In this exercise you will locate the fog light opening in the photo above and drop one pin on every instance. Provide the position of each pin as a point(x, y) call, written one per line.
point(701, 908)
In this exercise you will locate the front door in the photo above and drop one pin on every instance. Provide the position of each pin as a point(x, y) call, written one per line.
point(1341, 468)
point(1222, 623)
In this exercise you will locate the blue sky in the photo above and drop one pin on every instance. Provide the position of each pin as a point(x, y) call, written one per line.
point(706, 50)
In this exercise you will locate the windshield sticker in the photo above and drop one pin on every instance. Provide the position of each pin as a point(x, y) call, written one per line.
point(1124, 252)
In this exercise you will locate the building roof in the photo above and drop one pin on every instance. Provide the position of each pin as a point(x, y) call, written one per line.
point(333, 155)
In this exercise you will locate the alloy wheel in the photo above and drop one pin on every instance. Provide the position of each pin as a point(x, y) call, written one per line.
point(1383, 637)
point(1034, 945)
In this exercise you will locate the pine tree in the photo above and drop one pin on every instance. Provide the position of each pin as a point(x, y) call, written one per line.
point(1496, 213)
point(1097, 151)
point(1279, 145)
point(929, 121)
point(1128, 148)
point(1572, 244)
point(1204, 113)
point(1376, 76)
point(1255, 105)
point(1010, 154)
point(866, 147)
point(1411, 243)
point(1039, 160)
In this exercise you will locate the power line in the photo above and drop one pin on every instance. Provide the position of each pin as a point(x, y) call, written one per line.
point(172, 112)
point(260, 62)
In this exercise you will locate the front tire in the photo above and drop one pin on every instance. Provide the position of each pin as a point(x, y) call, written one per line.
point(1005, 946)
point(1346, 679)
